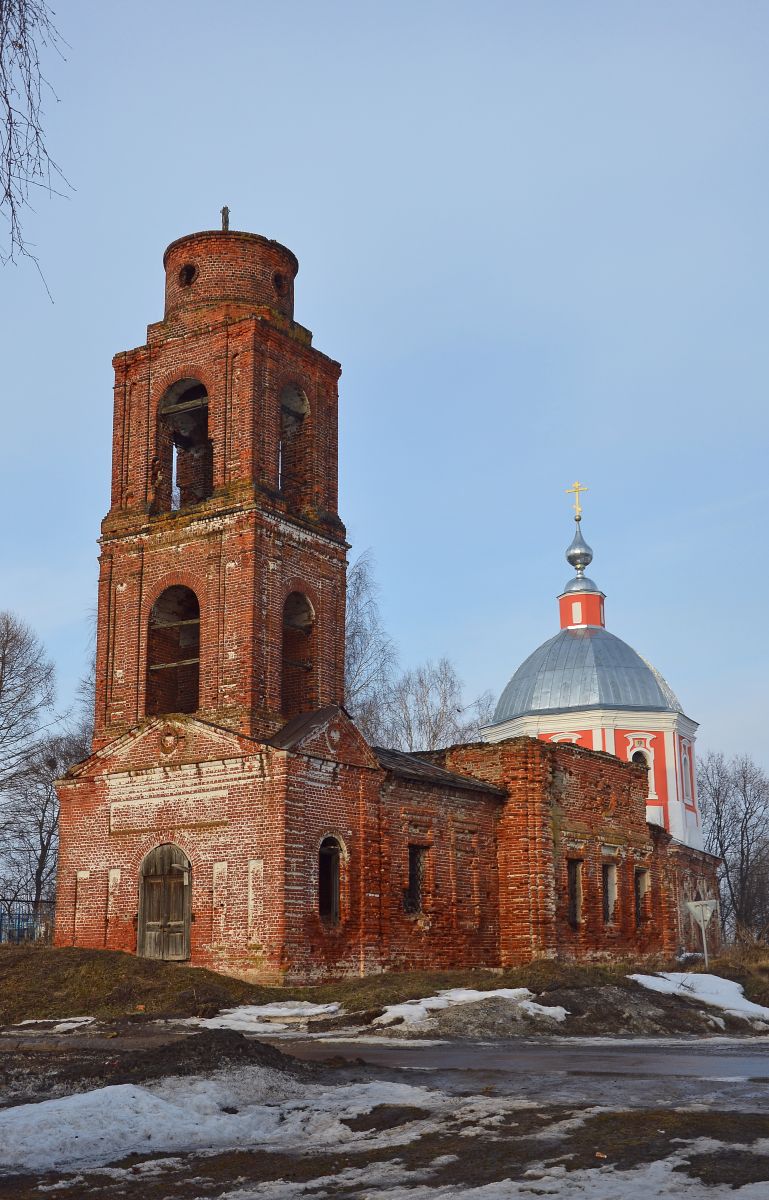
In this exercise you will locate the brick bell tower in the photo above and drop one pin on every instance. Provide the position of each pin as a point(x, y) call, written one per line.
point(222, 569)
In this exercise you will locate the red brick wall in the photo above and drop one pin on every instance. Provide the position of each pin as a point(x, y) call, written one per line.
point(246, 547)
point(570, 803)
point(251, 826)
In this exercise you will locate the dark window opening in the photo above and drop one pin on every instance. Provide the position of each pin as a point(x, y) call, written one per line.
point(188, 274)
point(173, 653)
point(413, 894)
point(279, 283)
point(642, 760)
point(329, 860)
point(293, 445)
point(641, 892)
point(574, 883)
point(609, 885)
point(183, 467)
point(298, 655)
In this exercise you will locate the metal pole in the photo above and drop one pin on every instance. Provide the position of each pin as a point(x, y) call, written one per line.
point(704, 936)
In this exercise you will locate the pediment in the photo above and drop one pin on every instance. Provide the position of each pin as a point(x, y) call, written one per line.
point(164, 741)
point(328, 733)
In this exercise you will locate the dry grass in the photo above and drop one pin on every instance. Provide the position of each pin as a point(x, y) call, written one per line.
point(40, 982)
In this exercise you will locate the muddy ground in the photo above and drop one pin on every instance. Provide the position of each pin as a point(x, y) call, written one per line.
point(707, 1134)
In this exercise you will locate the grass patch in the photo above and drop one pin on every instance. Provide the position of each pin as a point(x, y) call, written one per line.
point(629, 1139)
point(42, 982)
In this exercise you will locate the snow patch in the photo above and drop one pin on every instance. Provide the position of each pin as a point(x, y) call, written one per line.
point(264, 1018)
point(417, 1012)
point(63, 1025)
point(707, 989)
point(91, 1129)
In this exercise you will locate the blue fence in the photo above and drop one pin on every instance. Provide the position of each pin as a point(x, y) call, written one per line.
point(22, 921)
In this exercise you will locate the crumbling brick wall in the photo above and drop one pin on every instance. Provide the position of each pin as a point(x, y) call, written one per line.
point(567, 803)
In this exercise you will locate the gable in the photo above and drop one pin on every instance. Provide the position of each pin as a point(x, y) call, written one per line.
point(164, 741)
point(327, 733)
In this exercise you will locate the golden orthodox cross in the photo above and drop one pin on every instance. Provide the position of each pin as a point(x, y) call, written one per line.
point(576, 490)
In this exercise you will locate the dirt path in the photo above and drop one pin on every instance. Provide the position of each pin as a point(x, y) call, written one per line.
point(399, 1119)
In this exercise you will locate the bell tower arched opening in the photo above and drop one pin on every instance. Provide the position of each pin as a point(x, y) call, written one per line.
point(183, 468)
point(173, 653)
point(298, 655)
point(293, 445)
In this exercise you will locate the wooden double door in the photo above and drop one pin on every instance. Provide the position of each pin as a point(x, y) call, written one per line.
point(164, 905)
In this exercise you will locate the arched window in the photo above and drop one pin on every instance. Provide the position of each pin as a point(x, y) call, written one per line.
point(173, 653)
point(293, 445)
point(183, 468)
point(686, 773)
point(329, 869)
point(643, 761)
point(298, 655)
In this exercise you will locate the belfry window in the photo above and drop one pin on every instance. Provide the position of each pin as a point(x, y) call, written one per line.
point(329, 861)
point(173, 653)
point(298, 655)
point(183, 467)
point(293, 445)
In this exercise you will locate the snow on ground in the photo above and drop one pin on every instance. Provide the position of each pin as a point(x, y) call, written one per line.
point(97, 1127)
point(417, 1012)
point(264, 1018)
point(656, 1181)
point(63, 1026)
point(707, 989)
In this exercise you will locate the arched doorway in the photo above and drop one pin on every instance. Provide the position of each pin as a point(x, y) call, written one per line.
point(164, 904)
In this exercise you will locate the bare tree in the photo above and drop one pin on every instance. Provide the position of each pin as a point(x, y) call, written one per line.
point(734, 797)
point(424, 709)
point(85, 693)
point(29, 818)
point(26, 693)
point(26, 29)
point(370, 655)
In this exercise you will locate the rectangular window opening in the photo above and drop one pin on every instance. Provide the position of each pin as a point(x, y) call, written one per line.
point(413, 895)
point(642, 885)
point(609, 882)
point(574, 881)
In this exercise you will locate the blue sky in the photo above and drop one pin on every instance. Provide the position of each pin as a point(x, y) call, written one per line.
point(535, 235)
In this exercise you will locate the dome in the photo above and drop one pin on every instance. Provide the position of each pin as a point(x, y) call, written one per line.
point(584, 668)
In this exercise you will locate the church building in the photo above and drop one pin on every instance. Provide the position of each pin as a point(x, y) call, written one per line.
point(230, 813)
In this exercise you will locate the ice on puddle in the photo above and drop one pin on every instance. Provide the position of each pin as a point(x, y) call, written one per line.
point(417, 1012)
point(707, 989)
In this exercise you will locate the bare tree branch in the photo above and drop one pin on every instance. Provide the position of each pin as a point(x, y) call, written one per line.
point(424, 709)
point(26, 29)
point(26, 693)
point(370, 655)
point(29, 818)
point(734, 796)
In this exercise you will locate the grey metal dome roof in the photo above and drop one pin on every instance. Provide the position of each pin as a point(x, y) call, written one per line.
point(584, 668)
